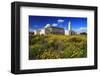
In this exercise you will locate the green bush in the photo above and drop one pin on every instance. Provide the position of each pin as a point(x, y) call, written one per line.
point(49, 54)
point(57, 46)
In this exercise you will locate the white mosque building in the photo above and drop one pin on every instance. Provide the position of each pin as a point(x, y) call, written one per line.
point(49, 29)
point(69, 31)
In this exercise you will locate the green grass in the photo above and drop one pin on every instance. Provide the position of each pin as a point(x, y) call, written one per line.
point(57, 46)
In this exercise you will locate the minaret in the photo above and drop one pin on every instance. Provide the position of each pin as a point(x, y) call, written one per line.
point(69, 26)
point(69, 31)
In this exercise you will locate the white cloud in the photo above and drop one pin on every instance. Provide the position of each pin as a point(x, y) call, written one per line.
point(83, 28)
point(60, 20)
point(54, 24)
point(47, 25)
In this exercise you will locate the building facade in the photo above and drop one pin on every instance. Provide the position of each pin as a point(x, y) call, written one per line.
point(49, 29)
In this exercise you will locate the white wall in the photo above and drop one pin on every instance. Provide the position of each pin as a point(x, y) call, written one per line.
point(5, 33)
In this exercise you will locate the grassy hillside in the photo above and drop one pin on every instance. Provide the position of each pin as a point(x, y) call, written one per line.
point(57, 46)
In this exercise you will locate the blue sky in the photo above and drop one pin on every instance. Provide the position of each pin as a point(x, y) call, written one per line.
point(38, 22)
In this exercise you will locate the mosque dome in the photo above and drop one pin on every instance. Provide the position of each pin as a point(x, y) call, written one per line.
point(47, 25)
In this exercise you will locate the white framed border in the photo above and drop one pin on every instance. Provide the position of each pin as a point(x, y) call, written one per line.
point(54, 63)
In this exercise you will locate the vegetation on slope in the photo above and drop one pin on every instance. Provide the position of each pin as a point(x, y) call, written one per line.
point(57, 46)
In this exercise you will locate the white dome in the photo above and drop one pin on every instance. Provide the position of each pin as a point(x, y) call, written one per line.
point(47, 25)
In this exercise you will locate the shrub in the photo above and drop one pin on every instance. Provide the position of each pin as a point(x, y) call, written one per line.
point(49, 54)
point(57, 46)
